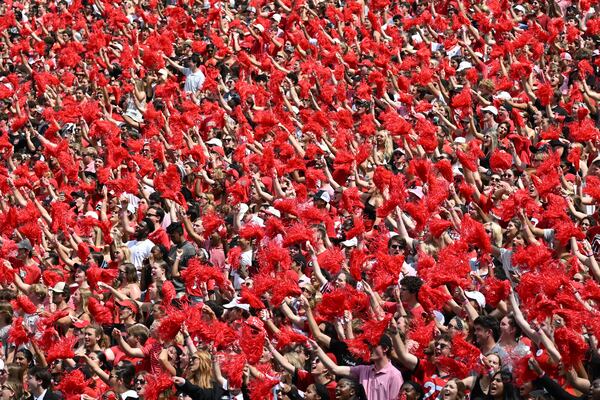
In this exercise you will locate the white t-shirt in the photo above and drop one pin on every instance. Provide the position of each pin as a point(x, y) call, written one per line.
point(139, 251)
point(194, 80)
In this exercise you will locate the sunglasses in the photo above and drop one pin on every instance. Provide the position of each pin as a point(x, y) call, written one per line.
point(396, 247)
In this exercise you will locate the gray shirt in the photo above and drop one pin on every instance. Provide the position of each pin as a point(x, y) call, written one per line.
point(189, 251)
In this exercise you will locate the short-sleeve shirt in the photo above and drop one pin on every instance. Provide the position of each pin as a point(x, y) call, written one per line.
point(384, 384)
point(194, 80)
point(140, 250)
point(151, 350)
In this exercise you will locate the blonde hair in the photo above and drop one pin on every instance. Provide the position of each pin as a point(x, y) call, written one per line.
point(41, 291)
point(203, 376)
point(294, 359)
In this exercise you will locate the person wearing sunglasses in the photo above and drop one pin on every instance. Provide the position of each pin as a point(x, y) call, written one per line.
point(139, 383)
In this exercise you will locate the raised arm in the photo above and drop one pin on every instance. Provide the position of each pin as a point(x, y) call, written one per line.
point(410, 361)
point(328, 362)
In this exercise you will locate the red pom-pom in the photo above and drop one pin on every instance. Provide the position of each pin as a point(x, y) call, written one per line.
point(100, 313)
point(249, 297)
point(474, 233)
point(197, 273)
point(62, 349)
point(252, 342)
point(262, 388)
point(332, 259)
point(571, 346)
point(96, 274)
point(73, 385)
point(592, 187)
point(157, 385)
point(232, 366)
point(170, 325)
point(545, 93)
point(438, 226)
point(251, 232)
point(211, 222)
point(298, 233)
point(287, 336)
point(333, 304)
point(23, 303)
point(433, 299)
point(500, 160)
point(521, 370)
point(285, 287)
point(18, 335)
point(495, 290)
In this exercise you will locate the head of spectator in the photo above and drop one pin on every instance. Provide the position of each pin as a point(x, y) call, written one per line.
point(38, 381)
point(486, 332)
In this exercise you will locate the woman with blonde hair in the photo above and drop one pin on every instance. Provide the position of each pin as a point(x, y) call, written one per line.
point(12, 391)
point(80, 303)
point(203, 379)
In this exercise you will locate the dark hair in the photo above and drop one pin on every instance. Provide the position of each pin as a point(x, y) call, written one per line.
point(160, 213)
point(412, 284)
point(417, 387)
point(41, 374)
point(322, 391)
point(126, 373)
point(130, 273)
point(215, 307)
point(359, 390)
point(349, 278)
point(196, 59)
point(487, 322)
point(510, 391)
point(28, 355)
point(175, 227)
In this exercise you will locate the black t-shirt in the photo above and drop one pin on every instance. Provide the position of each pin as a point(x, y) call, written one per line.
point(342, 354)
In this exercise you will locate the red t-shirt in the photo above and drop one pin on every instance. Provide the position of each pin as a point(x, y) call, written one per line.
point(303, 379)
point(120, 356)
point(151, 351)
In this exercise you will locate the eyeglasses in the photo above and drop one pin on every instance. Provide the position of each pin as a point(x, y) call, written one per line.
point(140, 381)
point(495, 179)
point(150, 215)
point(395, 247)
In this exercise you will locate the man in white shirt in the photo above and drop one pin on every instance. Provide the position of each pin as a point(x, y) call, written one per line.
point(194, 76)
point(141, 247)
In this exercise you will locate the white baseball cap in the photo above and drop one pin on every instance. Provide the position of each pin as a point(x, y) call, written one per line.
point(464, 65)
point(215, 142)
point(235, 303)
point(477, 296)
point(491, 109)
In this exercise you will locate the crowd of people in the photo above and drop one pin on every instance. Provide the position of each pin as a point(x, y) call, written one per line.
point(299, 199)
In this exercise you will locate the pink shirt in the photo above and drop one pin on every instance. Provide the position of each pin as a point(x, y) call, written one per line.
point(381, 385)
